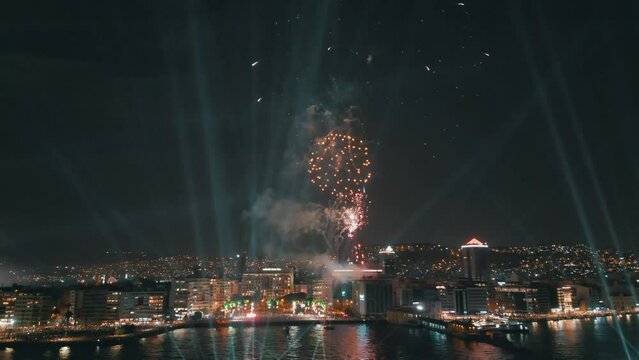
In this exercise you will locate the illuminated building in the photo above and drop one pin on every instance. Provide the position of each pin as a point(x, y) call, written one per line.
point(110, 305)
point(32, 308)
point(575, 297)
point(471, 300)
point(179, 299)
point(321, 290)
point(388, 261)
point(222, 290)
point(565, 297)
point(96, 306)
point(199, 289)
point(447, 297)
point(474, 256)
point(141, 306)
point(270, 283)
point(7, 306)
point(68, 302)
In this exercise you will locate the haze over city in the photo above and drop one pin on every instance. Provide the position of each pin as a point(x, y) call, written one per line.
point(319, 179)
point(156, 128)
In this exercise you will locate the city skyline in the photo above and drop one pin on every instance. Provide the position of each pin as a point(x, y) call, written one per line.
point(503, 298)
point(432, 262)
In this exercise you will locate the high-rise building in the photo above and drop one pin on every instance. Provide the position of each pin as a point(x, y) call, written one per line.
point(270, 283)
point(475, 265)
point(471, 300)
point(179, 299)
point(446, 295)
point(32, 308)
point(388, 261)
point(97, 306)
point(372, 297)
point(623, 302)
point(240, 266)
point(321, 290)
point(520, 299)
point(141, 306)
point(222, 290)
point(199, 288)
point(7, 306)
point(573, 297)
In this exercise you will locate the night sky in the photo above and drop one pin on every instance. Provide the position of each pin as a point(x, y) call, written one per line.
point(144, 126)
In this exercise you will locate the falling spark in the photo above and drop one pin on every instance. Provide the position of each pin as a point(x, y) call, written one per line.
point(427, 68)
point(461, 4)
point(486, 54)
point(354, 217)
point(259, 99)
point(329, 48)
point(255, 63)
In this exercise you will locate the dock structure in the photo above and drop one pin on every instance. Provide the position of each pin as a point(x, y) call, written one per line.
point(468, 328)
point(484, 330)
point(490, 333)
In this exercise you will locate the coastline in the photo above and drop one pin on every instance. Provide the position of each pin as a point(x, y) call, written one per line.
point(571, 316)
point(116, 339)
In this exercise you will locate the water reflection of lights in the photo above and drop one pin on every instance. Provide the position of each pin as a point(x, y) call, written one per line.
point(64, 352)
point(362, 339)
point(293, 330)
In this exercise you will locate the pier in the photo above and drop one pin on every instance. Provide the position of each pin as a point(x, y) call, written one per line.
point(485, 330)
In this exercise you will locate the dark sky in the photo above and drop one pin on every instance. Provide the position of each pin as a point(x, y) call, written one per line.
point(137, 126)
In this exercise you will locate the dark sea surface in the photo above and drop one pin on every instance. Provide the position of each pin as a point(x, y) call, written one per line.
point(567, 339)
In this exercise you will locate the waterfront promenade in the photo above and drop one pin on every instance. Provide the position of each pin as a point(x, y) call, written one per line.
point(106, 336)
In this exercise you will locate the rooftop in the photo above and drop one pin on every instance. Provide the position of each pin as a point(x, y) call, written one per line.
point(474, 243)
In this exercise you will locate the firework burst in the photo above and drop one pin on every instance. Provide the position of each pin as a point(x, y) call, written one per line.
point(339, 164)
